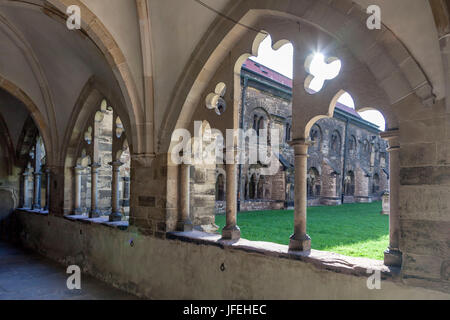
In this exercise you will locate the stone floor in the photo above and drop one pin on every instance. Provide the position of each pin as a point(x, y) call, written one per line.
point(25, 275)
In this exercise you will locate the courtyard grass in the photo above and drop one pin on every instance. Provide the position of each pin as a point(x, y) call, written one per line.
point(357, 230)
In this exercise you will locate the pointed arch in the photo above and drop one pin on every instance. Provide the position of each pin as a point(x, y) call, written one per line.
point(35, 114)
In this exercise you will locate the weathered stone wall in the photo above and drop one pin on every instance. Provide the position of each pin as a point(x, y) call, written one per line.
point(365, 149)
point(154, 268)
point(424, 192)
point(202, 197)
point(105, 157)
point(105, 140)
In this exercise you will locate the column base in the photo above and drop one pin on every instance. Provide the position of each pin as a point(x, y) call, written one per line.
point(94, 214)
point(115, 216)
point(185, 226)
point(36, 207)
point(231, 233)
point(393, 258)
point(301, 243)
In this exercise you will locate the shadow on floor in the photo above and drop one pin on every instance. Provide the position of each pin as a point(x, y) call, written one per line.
point(24, 275)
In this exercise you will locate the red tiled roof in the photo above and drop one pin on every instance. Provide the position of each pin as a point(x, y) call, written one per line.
point(267, 72)
point(273, 75)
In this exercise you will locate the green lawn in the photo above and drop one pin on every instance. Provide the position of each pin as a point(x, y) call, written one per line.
point(357, 230)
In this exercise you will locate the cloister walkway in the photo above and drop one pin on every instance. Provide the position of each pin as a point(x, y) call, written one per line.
point(24, 275)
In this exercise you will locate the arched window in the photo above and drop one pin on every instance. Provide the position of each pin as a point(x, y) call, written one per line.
point(316, 136)
point(252, 187)
point(313, 183)
point(260, 124)
point(288, 132)
point(376, 183)
point(255, 123)
point(352, 145)
point(220, 188)
point(102, 172)
point(261, 183)
point(246, 186)
point(35, 186)
point(366, 146)
point(335, 142)
point(349, 184)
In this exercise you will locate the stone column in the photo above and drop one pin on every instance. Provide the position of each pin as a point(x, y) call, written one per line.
point(231, 231)
point(184, 223)
point(77, 201)
point(47, 189)
point(126, 192)
point(94, 213)
point(37, 191)
point(393, 255)
point(115, 192)
point(300, 241)
point(26, 180)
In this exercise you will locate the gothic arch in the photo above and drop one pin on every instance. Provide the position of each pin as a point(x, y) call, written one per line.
point(315, 135)
point(89, 100)
point(96, 31)
point(7, 145)
point(224, 35)
point(35, 114)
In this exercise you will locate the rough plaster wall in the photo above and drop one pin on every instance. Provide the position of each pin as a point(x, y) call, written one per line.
point(168, 269)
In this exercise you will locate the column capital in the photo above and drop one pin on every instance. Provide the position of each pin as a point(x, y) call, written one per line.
point(27, 173)
point(392, 137)
point(143, 159)
point(116, 163)
point(301, 146)
point(301, 142)
point(95, 165)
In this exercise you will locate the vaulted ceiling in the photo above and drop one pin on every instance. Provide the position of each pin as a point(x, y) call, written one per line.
point(51, 64)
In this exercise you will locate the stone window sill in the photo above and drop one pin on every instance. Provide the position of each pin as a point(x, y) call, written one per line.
point(121, 225)
point(39, 212)
point(320, 259)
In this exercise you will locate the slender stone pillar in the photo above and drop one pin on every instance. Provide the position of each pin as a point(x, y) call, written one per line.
point(26, 185)
point(94, 213)
point(78, 170)
point(393, 255)
point(126, 192)
point(47, 189)
point(184, 223)
point(231, 231)
point(115, 215)
point(37, 191)
point(300, 241)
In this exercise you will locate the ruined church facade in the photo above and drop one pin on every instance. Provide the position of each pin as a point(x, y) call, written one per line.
point(347, 163)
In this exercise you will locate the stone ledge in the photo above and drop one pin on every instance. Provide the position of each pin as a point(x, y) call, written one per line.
point(121, 225)
point(39, 212)
point(322, 260)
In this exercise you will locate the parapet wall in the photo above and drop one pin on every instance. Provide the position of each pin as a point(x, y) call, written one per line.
point(178, 268)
